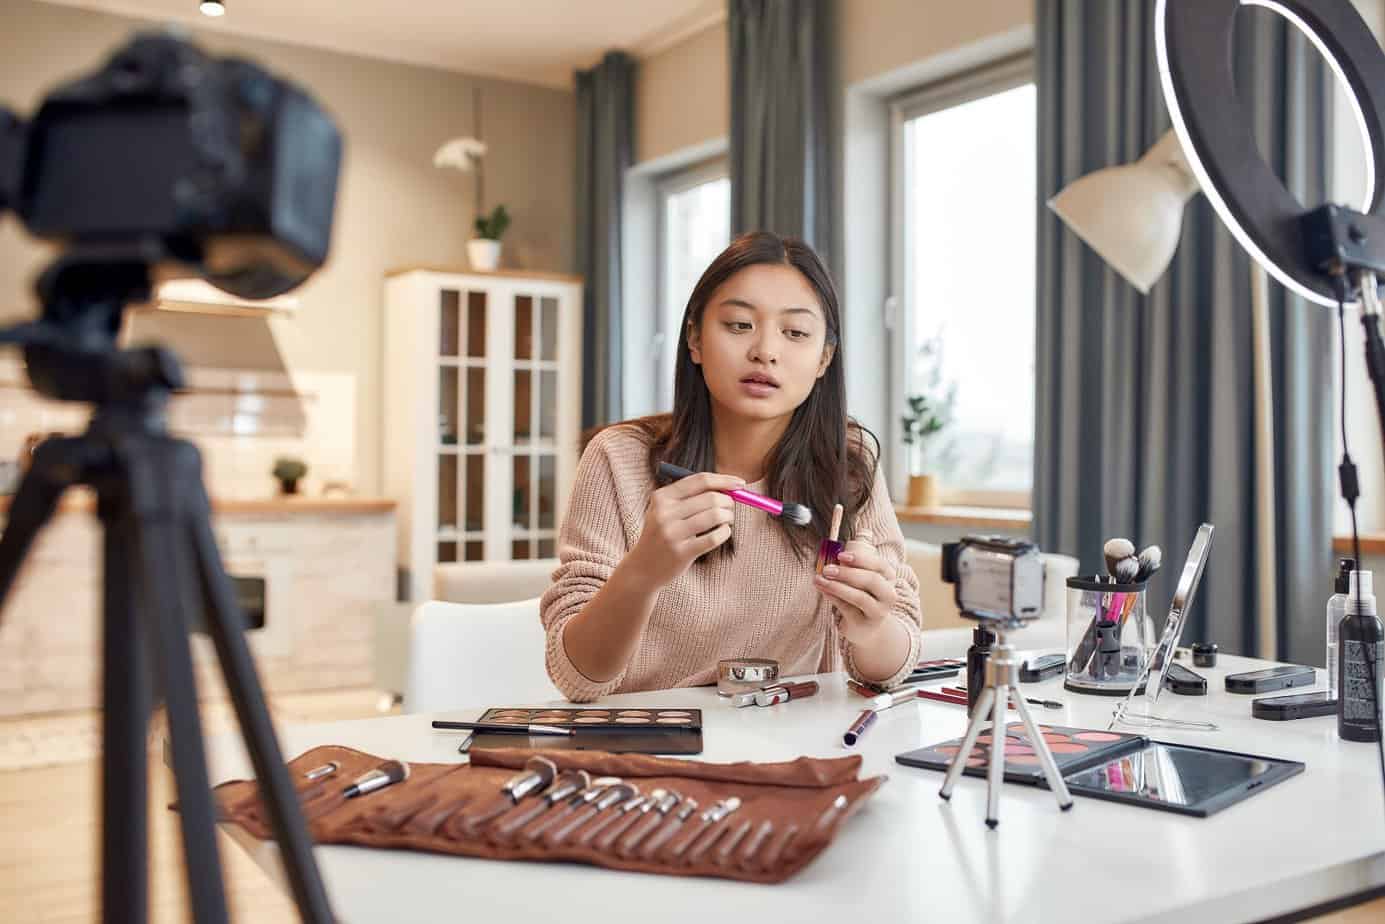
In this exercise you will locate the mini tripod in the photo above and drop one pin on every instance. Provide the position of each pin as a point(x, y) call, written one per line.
point(1002, 687)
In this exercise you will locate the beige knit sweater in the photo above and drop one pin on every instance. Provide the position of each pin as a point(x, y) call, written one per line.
point(760, 602)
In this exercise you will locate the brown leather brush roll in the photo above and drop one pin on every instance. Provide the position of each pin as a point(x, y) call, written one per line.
point(759, 822)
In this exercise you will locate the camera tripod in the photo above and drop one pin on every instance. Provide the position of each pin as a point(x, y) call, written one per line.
point(1002, 687)
point(162, 578)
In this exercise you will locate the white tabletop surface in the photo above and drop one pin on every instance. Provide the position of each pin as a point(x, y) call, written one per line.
point(907, 855)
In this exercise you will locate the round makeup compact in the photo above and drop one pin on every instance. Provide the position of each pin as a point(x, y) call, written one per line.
point(1204, 655)
point(742, 675)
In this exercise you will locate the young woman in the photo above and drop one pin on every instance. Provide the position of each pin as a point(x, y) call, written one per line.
point(658, 582)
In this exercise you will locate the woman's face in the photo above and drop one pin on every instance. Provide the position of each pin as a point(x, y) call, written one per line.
point(762, 342)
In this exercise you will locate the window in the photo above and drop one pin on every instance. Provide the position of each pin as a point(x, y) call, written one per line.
point(694, 226)
point(964, 227)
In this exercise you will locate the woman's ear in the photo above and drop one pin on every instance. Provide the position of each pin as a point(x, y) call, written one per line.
point(828, 351)
point(694, 343)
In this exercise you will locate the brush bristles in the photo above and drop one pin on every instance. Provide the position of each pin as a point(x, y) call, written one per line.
point(1150, 560)
point(797, 514)
point(1127, 570)
point(1115, 550)
point(395, 770)
point(1118, 548)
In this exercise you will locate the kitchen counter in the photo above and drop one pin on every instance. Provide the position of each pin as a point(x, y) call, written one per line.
point(319, 570)
point(82, 500)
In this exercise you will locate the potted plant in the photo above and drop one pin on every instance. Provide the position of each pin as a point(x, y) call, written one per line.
point(929, 414)
point(289, 471)
point(483, 250)
point(466, 154)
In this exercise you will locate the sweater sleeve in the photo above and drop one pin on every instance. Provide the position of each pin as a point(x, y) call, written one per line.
point(879, 519)
point(591, 543)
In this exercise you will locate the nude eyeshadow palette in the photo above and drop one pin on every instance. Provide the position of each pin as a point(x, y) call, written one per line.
point(657, 730)
point(1073, 749)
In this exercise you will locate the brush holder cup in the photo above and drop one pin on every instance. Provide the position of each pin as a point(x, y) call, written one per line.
point(1109, 636)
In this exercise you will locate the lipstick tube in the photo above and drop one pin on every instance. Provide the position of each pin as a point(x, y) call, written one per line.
point(785, 692)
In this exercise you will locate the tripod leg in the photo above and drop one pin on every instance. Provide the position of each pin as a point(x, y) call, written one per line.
point(165, 600)
point(995, 776)
point(31, 508)
point(224, 624)
point(959, 760)
point(1055, 779)
point(125, 764)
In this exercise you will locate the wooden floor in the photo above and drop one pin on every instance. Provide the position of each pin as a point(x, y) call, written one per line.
point(50, 850)
point(50, 825)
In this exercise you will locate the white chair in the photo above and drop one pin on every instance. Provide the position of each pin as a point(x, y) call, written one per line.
point(472, 655)
point(492, 581)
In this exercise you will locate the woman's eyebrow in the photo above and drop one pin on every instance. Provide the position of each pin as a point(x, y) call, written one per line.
point(736, 302)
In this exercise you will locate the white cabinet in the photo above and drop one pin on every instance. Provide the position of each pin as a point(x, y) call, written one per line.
point(483, 397)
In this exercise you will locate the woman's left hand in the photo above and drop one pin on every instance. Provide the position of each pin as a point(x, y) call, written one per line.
point(861, 586)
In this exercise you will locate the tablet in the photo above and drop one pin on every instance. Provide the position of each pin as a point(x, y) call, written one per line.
point(1181, 778)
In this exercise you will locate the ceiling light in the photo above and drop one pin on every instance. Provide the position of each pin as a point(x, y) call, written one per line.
point(212, 8)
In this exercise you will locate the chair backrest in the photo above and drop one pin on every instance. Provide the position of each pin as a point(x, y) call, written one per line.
point(492, 581)
point(472, 655)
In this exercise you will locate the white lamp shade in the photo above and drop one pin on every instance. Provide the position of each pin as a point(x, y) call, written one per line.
point(1132, 215)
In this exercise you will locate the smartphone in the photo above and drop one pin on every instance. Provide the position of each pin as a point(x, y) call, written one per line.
point(1184, 682)
point(1042, 668)
point(1293, 706)
point(1271, 678)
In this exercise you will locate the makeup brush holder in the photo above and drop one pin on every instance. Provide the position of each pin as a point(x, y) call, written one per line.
point(1109, 638)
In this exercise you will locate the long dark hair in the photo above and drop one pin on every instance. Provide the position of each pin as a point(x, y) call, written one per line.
point(822, 459)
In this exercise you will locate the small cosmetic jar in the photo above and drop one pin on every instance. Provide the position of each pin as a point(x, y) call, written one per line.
point(828, 550)
point(742, 675)
point(1204, 655)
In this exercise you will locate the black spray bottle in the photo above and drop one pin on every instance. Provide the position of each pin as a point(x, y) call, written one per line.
point(982, 639)
point(1359, 660)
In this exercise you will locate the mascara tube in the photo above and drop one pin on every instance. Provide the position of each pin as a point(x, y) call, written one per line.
point(858, 728)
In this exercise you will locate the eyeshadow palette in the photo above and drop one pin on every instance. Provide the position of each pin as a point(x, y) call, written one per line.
point(620, 731)
point(1073, 749)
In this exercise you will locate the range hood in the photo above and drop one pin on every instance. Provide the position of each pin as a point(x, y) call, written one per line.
point(194, 296)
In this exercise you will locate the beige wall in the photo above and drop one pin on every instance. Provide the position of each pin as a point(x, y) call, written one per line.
point(879, 36)
point(682, 93)
point(681, 96)
point(393, 207)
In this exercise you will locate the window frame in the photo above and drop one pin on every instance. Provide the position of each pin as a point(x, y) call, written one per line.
point(995, 77)
point(666, 186)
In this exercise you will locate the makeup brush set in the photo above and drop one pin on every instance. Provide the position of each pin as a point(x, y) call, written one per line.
point(756, 822)
point(1109, 632)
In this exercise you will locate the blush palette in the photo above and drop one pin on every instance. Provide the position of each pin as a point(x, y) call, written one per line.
point(1073, 749)
point(620, 731)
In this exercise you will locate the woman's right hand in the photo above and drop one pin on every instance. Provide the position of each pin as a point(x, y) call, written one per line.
point(683, 520)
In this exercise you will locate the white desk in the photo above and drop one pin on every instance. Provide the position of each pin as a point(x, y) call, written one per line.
point(907, 855)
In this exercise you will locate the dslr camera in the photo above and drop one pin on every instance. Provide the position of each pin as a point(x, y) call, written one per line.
point(996, 579)
point(202, 166)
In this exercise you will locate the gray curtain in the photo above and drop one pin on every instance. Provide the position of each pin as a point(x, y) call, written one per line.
point(605, 150)
point(782, 76)
point(1145, 415)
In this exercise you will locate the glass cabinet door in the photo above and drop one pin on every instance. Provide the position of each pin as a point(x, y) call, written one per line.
point(533, 466)
point(461, 424)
